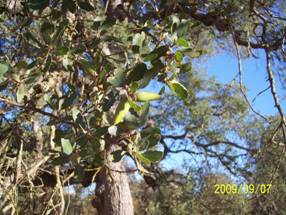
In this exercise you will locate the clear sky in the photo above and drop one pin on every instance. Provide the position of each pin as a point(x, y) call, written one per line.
point(224, 67)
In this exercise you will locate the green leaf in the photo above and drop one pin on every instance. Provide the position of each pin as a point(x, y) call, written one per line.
point(87, 66)
point(137, 73)
point(117, 155)
point(3, 69)
point(156, 53)
point(86, 6)
point(182, 42)
point(148, 77)
point(149, 157)
point(144, 114)
point(151, 141)
point(146, 96)
point(69, 5)
point(101, 131)
point(38, 4)
point(138, 39)
point(79, 172)
point(131, 119)
point(121, 111)
point(62, 159)
point(134, 105)
point(142, 159)
point(150, 131)
point(179, 56)
point(152, 156)
point(75, 112)
point(66, 146)
point(22, 91)
point(119, 78)
point(150, 57)
point(179, 89)
point(46, 30)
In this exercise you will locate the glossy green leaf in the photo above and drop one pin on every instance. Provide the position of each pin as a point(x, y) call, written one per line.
point(179, 56)
point(121, 111)
point(182, 42)
point(179, 89)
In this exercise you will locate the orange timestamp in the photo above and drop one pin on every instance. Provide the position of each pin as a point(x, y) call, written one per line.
point(242, 188)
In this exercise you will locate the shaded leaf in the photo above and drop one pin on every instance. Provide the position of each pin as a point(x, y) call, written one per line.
point(69, 5)
point(86, 6)
point(119, 79)
point(38, 4)
point(62, 159)
point(152, 156)
point(46, 30)
point(117, 155)
point(137, 73)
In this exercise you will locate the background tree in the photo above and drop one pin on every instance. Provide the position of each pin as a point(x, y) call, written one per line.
point(73, 99)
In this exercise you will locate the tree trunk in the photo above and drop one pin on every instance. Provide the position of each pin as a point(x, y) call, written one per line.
point(113, 196)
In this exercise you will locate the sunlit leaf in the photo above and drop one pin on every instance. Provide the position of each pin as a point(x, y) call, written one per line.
point(21, 93)
point(121, 111)
point(147, 96)
point(182, 42)
point(3, 69)
point(179, 89)
point(66, 146)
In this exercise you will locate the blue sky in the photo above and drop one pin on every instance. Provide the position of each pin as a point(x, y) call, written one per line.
point(224, 67)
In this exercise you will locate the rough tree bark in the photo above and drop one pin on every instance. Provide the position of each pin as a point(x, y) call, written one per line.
point(113, 196)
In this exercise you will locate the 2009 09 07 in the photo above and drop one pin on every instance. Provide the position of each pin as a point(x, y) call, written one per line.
point(242, 188)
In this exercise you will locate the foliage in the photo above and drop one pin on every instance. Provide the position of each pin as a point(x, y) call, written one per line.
point(73, 78)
